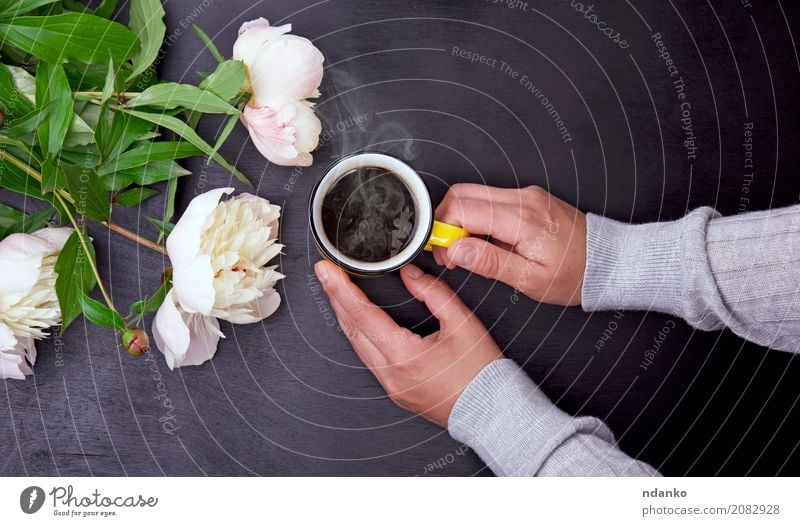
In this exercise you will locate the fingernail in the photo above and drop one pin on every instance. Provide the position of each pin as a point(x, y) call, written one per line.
point(322, 272)
point(463, 255)
point(413, 272)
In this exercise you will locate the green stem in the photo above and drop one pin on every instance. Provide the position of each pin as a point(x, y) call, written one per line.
point(64, 195)
point(63, 198)
point(134, 237)
point(85, 246)
point(98, 94)
point(33, 173)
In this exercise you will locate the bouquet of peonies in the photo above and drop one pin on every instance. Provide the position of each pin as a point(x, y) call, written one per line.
point(87, 127)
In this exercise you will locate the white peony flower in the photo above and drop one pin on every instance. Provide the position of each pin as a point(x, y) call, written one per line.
point(283, 70)
point(219, 252)
point(28, 302)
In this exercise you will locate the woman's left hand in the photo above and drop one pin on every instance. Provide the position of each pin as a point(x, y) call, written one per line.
point(423, 375)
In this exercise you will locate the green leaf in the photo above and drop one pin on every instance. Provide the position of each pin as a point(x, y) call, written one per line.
point(91, 198)
point(75, 276)
point(10, 9)
point(106, 8)
point(165, 227)
point(74, 155)
point(114, 138)
point(9, 215)
point(33, 222)
point(146, 22)
point(52, 88)
point(109, 85)
point(134, 196)
point(13, 221)
point(86, 77)
point(24, 82)
point(100, 314)
point(148, 174)
point(17, 180)
point(227, 80)
point(179, 127)
point(152, 303)
point(79, 133)
point(28, 124)
point(70, 36)
point(14, 103)
point(155, 172)
point(53, 177)
point(155, 151)
point(223, 136)
point(171, 95)
point(209, 44)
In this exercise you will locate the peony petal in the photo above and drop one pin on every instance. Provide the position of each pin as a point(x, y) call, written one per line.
point(7, 339)
point(286, 69)
point(55, 237)
point(194, 285)
point(20, 260)
point(13, 355)
point(13, 367)
point(264, 210)
point(185, 339)
point(307, 129)
point(205, 335)
point(252, 37)
point(193, 277)
point(170, 332)
point(266, 305)
point(285, 136)
point(28, 345)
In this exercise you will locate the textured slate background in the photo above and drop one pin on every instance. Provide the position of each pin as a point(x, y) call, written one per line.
point(288, 397)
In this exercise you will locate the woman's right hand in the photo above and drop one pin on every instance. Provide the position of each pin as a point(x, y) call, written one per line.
point(535, 242)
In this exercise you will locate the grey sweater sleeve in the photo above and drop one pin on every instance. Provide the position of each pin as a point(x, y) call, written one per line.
point(742, 272)
point(518, 431)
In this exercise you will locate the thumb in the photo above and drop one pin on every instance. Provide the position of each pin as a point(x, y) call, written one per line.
point(488, 260)
point(440, 299)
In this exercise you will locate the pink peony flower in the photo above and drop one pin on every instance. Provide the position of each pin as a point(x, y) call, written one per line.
point(284, 136)
point(283, 71)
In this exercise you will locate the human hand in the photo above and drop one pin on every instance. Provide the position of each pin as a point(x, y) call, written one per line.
point(423, 375)
point(536, 242)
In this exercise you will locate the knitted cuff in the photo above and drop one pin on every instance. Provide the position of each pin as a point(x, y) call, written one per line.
point(641, 267)
point(509, 421)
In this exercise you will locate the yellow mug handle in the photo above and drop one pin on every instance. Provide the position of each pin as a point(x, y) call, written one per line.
point(444, 235)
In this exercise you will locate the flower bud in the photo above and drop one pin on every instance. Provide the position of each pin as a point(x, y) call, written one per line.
point(135, 341)
point(2, 116)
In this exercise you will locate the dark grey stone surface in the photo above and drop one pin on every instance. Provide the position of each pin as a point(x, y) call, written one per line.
point(289, 397)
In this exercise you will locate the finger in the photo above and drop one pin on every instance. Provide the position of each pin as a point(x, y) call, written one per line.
point(440, 299)
point(363, 315)
point(438, 254)
point(483, 192)
point(366, 350)
point(493, 262)
point(504, 222)
point(527, 197)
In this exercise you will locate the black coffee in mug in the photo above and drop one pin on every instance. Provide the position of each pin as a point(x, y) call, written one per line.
point(368, 214)
point(371, 213)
